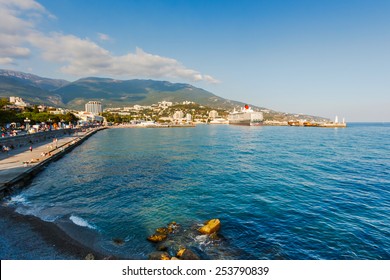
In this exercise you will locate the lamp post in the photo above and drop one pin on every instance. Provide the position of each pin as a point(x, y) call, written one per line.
point(27, 123)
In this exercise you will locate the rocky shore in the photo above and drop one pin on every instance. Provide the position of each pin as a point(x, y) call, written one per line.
point(174, 242)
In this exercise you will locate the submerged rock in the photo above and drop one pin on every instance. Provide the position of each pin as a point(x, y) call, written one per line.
point(181, 252)
point(90, 257)
point(118, 241)
point(158, 255)
point(193, 243)
point(189, 255)
point(163, 230)
point(172, 227)
point(210, 226)
point(157, 237)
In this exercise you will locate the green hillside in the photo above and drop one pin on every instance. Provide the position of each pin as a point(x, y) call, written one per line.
point(111, 92)
point(10, 86)
point(143, 92)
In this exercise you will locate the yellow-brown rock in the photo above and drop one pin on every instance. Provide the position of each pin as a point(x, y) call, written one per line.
point(172, 226)
point(159, 256)
point(165, 257)
point(157, 237)
point(210, 226)
point(162, 230)
point(181, 252)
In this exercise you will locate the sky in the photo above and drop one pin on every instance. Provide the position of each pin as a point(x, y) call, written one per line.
point(323, 57)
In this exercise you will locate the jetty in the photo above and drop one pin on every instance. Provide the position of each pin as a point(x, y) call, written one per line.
point(20, 165)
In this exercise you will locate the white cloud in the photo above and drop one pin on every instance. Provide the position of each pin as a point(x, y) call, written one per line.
point(6, 60)
point(79, 56)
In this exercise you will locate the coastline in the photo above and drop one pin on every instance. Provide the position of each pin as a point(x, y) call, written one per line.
point(52, 238)
point(54, 242)
point(17, 176)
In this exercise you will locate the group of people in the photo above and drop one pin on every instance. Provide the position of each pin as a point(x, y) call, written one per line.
point(6, 149)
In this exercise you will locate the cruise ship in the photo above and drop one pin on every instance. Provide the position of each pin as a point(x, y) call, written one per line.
point(246, 117)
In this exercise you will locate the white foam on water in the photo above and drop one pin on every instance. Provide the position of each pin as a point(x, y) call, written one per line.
point(17, 199)
point(81, 222)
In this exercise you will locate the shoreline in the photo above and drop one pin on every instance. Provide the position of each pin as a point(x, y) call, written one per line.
point(52, 235)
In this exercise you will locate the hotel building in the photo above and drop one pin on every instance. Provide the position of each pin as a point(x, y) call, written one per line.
point(94, 107)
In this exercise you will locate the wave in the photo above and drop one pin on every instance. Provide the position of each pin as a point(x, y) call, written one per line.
point(81, 222)
point(17, 199)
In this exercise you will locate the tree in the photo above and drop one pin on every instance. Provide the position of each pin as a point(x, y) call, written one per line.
point(69, 118)
point(35, 110)
point(3, 102)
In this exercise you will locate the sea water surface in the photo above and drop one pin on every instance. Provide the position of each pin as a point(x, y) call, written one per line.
point(280, 192)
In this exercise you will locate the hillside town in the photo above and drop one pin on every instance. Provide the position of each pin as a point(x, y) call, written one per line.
point(18, 115)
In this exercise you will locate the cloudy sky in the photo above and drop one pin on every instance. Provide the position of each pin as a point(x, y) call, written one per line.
point(322, 58)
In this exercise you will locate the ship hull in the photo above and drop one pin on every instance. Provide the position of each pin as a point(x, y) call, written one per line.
point(246, 118)
point(245, 123)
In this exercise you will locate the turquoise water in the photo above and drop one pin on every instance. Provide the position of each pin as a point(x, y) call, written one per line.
point(280, 192)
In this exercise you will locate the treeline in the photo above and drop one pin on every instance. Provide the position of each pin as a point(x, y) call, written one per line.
point(33, 114)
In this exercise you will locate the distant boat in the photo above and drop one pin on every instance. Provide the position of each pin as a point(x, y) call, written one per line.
point(310, 124)
point(294, 123)
point(246, 117)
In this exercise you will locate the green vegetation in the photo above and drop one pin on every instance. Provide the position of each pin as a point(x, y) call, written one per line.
point(10, 116)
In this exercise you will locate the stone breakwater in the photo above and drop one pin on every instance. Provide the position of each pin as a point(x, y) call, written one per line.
point(18, 168)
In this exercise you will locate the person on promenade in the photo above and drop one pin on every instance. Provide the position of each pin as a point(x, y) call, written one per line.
point(31, 148)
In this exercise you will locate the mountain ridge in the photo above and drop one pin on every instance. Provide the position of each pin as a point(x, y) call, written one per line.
point(114, 93)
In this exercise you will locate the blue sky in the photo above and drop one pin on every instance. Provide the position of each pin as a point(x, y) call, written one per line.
point(322, 58)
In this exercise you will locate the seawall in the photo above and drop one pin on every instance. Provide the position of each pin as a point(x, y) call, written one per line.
point(24, 175)
point(28, 139)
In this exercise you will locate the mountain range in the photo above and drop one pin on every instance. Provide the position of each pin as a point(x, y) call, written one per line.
point(114, 93)
point(111, 92)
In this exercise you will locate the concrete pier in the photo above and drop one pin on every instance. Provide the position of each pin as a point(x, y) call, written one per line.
point(20, 165)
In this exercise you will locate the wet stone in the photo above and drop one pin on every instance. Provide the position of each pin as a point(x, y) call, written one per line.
point(157, 237)
point(89, 257)
point(210, 226)
point(158, 255)
point(189, 255)
point(118, 241)
point(163, 230)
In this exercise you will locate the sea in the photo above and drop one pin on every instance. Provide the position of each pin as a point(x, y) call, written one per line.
point(297, 193)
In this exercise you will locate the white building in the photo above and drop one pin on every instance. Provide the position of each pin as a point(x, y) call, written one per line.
point(178, 115)
point(89, 117)
point(213, 114)
point(189, 118)
point(94, 107)
point(164, 104)
point(18, 101)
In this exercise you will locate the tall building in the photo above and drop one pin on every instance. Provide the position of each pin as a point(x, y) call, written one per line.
point(94, 107)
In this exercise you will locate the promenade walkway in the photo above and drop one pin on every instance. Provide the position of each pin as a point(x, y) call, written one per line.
point(23, 161)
